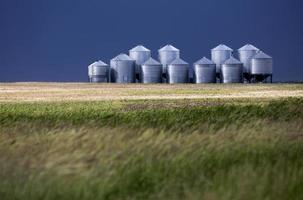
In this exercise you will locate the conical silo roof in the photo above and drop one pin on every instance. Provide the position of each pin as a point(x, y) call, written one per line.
point(248, 47)
point(232, 61)
point(221, 47)
point(204, 61)
point(139, 48)
point(99, 63)
point(151, 61)
point(169, 48)
point(262, 55)
point(178, 61)
point(122, 56)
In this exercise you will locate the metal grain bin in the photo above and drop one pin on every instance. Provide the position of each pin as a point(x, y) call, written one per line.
point(261, 67)
point(140, 54)
point(219, 55)
point(261, 63)
point(122, 69)
point(151, 72)
point(167, 54)
point(204, 71)
point(90, 72)
point(98, 72)
point(232, 71)
point(246, 53)
point(177, 71)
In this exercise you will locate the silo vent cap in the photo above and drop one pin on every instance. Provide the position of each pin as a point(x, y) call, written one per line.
point(204, 61)
point(222, 47)
point(140, 48)
point(169, 48)
point(248, 47)
point(151, 61)
point(178, 61)
point(232, 61)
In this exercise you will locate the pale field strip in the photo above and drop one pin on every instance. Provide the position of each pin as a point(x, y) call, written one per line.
point(48, 92)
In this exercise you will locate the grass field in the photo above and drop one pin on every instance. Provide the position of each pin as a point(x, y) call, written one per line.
point(213, 142)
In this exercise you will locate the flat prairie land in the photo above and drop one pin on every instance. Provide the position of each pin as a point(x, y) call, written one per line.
point(27, 92)
point(110, 141)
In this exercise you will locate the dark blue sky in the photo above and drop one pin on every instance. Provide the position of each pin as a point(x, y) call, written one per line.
point(55, 40)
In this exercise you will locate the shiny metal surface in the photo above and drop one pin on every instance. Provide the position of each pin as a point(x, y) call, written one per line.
point(122, 69)
point(177, 71)
point(245, 54)
point(261, 64)
point(232, 71)
point(98, 72)
point(151, 72)
point(204, 71)
point(99, 79)
point(220, 54)
point(167, 54)
point(140, 54)
point(90, 70)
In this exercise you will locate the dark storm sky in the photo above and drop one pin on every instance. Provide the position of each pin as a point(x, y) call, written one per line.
point(55, 40)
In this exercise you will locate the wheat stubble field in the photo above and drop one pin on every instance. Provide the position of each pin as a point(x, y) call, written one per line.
point(33, 92)
point(107, 141)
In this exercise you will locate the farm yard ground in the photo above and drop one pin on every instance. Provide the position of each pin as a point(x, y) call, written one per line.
point(107, 141)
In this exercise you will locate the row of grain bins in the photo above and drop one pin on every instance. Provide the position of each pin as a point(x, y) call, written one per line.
point(252, 65)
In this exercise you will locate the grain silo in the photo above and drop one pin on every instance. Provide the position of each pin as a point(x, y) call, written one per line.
point(140, 54)
point(98, 72)
point(167, 54)
point(177, 71)
point(204, 71)
point(122, 69)
point(90, 72)
point(151, 72)
point(219, 55)
point(261, 67)
point(232, 71)
point(245, 54)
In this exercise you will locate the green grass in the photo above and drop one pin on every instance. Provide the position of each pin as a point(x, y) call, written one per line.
point(172, 149)
point(136, 114)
